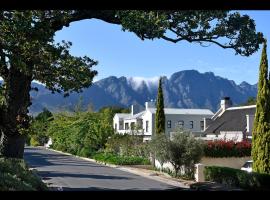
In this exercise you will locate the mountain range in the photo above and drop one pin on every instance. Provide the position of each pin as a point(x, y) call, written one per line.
point(183, 89)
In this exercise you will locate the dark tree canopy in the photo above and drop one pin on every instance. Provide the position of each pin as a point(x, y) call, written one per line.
point(28, 52)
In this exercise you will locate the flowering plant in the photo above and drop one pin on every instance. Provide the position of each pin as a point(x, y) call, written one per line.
point(223, 148)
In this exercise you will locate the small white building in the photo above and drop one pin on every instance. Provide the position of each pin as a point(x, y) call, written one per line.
point(230, 123)
point(143, 123)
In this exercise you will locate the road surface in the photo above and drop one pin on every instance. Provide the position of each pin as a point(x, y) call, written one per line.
point(65, 172)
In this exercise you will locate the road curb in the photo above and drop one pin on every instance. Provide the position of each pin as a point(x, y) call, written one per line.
point(133, 171)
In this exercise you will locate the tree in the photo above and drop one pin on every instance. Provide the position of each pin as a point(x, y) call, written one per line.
point(160, 115)
point(184, 151)
point(250, 101)
point(159, 148)
point(28, 52)
point(261, 129)
point(38, 128)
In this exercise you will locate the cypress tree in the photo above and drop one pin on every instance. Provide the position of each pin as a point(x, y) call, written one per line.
point(160, 115)
point(261, 128)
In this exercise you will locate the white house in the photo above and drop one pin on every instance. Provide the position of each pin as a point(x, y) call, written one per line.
point(230, 123)
point(143, 123)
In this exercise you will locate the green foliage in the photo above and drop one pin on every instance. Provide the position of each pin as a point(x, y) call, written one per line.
point(237, 178)
point(38, 128)
point(250, 101)
point(160, 115)
point(183, 151)
point(261, 128)
point(80, 133)
point(15, 176)
point(120, 160)
point(159, 147)
point(224, 28)
point(127, 145)
point(221, 148)
point(34, 141)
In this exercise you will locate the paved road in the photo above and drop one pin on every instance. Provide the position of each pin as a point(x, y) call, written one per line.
point(71, 173)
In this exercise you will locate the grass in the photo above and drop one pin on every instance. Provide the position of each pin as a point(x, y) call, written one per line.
point(16, 176)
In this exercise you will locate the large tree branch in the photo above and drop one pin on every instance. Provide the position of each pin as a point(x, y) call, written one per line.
point(106, 15)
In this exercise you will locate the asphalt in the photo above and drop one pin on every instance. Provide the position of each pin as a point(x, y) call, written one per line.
point(66, 173)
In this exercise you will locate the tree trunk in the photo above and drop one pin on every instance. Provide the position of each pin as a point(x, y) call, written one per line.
point(14, 114)
point(12, 146)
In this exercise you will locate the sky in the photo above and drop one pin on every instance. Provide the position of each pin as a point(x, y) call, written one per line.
point(122, 53)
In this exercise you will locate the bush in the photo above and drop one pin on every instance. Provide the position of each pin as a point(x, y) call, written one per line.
point(222, 148)
point(237, 178)
point(81, 133)
point(15, 175)
point(127, 145)
point(120, 160)
point(183, 151)
point(34, 142)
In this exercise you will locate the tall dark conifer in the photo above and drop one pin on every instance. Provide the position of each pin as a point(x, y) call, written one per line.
point(160, 115)
point(261, 128)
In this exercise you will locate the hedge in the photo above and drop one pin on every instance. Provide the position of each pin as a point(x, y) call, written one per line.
point(221, 148)
point(120, 160)
point(16, 176)
point(237, 178)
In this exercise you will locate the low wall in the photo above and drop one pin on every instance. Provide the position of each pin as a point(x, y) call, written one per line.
point(233, 162)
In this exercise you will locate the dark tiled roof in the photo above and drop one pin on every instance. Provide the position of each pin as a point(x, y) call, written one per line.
point(231, 120)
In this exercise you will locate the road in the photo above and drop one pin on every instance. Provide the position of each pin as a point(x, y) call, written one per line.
point(65, 172)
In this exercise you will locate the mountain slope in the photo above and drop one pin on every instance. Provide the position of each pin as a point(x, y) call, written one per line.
point(184, 89)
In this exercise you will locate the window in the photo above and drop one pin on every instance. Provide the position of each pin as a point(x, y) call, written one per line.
point(202, 125)
point(169, 124)
point(121, 125)
point(181, 124)
point(191, 124)
point(115, 127)
point(126, 126)
point(146, 126)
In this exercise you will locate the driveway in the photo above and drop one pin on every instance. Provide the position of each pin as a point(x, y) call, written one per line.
point(65, 172)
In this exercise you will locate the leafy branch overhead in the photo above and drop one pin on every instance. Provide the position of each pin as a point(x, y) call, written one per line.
point(26, 39)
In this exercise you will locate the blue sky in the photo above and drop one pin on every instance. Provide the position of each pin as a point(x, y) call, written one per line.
point(124, 54)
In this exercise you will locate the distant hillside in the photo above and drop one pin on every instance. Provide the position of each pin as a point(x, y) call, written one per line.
point(184, 89)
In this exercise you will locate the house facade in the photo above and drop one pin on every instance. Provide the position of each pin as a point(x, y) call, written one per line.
point(230, 123)
point(143, 122)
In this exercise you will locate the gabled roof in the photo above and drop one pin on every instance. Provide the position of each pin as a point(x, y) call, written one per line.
point(122, 115)
point(136, 116)
point(233, 119)
point(181, 111)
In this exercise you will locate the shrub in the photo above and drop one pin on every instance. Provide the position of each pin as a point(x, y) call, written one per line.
point(127, 145)
point(120, 160)
point(237, 178)
point(183, 151)
point(81, 133)
point(34, 142)
point(222, 148)
point(15, 175)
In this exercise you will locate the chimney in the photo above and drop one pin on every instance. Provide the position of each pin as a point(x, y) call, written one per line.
point(250, 120)
point(135, 109)
point(225, 103)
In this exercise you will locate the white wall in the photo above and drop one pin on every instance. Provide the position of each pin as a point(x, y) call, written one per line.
point(186, 118)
